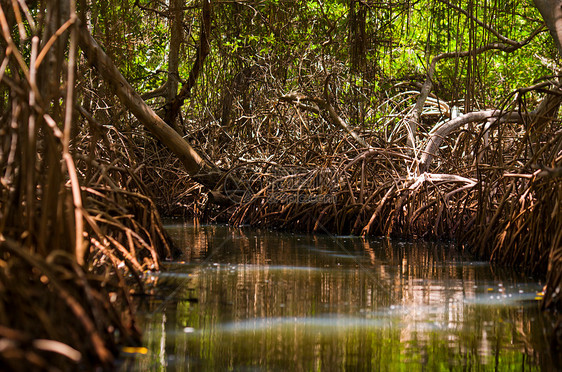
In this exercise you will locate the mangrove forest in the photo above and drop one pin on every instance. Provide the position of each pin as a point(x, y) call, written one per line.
point(283, 180)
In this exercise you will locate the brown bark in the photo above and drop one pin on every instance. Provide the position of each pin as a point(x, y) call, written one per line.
point(176, 37)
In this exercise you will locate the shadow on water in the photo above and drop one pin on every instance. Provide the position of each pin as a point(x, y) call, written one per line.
point(250, 300)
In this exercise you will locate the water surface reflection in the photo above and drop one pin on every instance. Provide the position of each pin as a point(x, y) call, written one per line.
point(269, 301)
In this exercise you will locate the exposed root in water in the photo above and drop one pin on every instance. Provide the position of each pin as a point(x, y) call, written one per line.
point(495, 185)
point(76, 227)
point(81, 180)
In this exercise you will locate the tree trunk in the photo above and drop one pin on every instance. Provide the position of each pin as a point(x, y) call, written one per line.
point(551, 11)
point(176, 38)
point(201, 171)
point(174, 106)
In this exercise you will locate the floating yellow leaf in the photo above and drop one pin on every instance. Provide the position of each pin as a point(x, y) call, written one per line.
point(134, 350)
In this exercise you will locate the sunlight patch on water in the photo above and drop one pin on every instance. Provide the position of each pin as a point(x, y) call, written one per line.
point(325, 324)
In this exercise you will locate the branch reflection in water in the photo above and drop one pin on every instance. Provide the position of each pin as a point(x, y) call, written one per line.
point(263, 300)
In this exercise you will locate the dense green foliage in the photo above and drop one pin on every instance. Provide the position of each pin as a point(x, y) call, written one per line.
point(368, 46)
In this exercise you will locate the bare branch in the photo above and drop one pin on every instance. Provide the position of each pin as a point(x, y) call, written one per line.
point(440, 133)
point(298, 99)
point(482, 24)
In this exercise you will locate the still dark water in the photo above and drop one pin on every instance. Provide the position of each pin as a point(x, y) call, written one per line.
point(251, 300)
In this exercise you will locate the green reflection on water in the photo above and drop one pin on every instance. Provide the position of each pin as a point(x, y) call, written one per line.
point(267, 301)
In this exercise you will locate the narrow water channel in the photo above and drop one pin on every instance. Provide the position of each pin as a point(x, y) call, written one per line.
point(251, 300)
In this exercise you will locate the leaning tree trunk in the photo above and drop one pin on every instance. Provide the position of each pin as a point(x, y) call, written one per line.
point(200, 170)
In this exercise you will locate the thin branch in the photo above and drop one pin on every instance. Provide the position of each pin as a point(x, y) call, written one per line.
point(479, 22)
point(298, 99)
point(413, 119)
